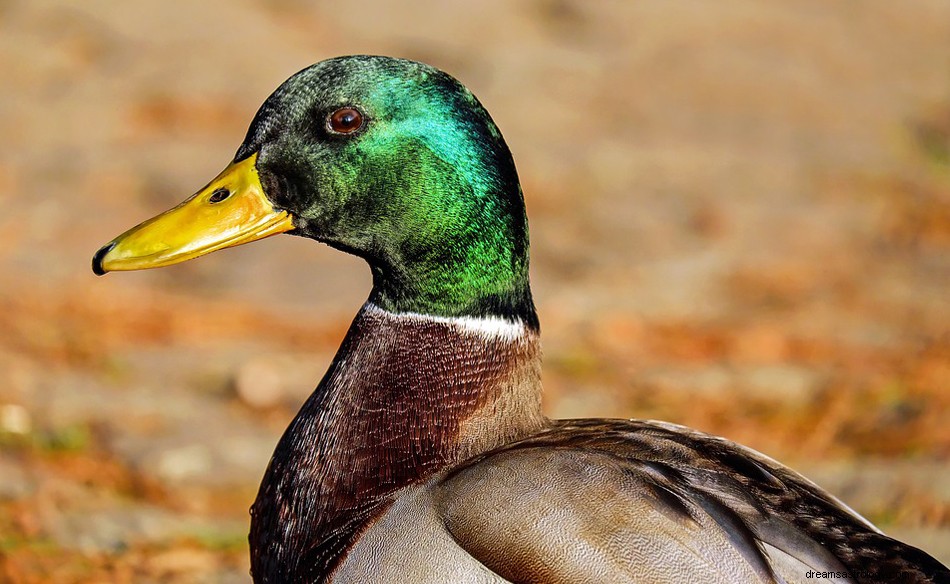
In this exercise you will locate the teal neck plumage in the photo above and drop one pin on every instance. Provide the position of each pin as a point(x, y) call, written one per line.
point(427, 194)
point(457, 236)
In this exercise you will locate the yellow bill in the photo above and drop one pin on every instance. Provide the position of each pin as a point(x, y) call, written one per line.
point(230, 211)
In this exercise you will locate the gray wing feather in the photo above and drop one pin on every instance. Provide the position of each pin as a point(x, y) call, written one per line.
point(559, 516)
point(645, 502)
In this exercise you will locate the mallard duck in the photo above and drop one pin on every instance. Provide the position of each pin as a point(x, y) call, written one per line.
point(423, 456)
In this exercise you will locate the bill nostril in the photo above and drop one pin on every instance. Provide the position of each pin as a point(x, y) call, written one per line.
point(219, 195)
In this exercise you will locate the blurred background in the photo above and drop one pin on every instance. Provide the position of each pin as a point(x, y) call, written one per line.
point(740, 218)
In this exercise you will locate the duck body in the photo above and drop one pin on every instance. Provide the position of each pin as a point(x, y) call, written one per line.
point(423, 455)
point(629, 501)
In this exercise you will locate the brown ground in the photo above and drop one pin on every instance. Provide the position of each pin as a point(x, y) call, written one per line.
point(740, 216)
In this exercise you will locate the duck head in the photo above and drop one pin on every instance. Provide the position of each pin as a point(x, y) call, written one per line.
point(388, 159)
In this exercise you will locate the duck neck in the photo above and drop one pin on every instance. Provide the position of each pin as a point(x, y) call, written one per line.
point(406, 396)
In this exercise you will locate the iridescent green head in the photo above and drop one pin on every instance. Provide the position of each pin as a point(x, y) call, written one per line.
point(391, 160)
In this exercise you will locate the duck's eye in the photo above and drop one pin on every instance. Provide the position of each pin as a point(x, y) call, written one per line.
point(345, 120)
point(219, 195)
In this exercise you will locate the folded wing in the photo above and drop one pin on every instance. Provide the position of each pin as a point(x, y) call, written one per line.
point(633, 501)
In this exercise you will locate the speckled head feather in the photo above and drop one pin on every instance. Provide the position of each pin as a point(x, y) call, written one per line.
point(426, 190)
